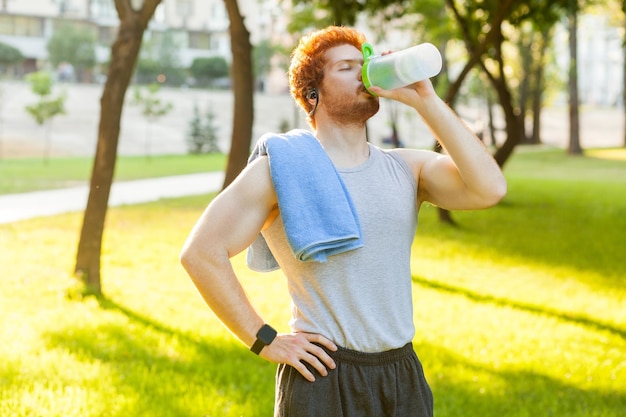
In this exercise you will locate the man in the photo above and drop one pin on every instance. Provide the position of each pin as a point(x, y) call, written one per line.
point(349, 352)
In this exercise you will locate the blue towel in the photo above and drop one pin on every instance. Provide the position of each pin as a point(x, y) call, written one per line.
point(317, 212)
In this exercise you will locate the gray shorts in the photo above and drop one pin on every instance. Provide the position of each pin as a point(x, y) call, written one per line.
point(385, 384)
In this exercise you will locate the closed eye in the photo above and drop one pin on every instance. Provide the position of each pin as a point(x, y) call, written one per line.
point(350, 64)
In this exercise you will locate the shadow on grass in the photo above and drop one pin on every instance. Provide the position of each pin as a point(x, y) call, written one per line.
point(570, 229)
point(529, 308)
point(150, 369)
point(161, 371)
point(485, 391)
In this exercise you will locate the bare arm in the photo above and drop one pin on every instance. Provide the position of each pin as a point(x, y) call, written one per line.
point(468, 177)
point(227, 227)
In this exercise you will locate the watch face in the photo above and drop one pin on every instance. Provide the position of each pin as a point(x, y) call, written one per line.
point(266, 334)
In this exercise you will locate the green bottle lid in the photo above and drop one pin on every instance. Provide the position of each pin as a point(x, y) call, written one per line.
point(368, 52)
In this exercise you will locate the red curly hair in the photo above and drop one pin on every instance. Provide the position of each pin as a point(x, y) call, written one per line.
point(306, 70)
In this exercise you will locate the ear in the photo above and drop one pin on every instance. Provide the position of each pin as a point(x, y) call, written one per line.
point(313, 97)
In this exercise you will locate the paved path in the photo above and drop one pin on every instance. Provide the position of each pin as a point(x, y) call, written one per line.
point(15, 207)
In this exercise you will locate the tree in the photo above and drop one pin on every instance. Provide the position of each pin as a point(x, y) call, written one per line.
point(47, 107)
point(540, 78)
point(262, 57)
point(243, 92)
point(623, 6)
point(481, 26)
point(8, 56)
point(616, 10)
point(124, 52)
point(485, 39)
point(202, 136)
point(343, 12)
point(73, 45)
point(152, 108)
point(574, 119)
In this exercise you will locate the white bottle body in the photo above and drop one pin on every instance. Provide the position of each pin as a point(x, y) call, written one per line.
point(402, 68)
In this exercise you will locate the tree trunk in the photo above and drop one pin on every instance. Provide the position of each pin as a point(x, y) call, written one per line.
point(574, 120)
point(537, 100)
point(512, 117)
point(393, 122)
point(243, 91)
point(476, 51)
point(525, 85)
point(491, 121)
point(624, 69)
point(513, 125)
point(124, 54)
point(538, 86)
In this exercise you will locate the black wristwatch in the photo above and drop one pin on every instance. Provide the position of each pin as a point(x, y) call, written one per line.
point(264, 337)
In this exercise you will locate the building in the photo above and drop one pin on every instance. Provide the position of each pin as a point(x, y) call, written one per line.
point(199, 27)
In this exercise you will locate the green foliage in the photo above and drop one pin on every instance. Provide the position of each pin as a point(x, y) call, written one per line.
point(47, 107)
point(202, 135)
point(40, 82)
point(73, 44)
point(262, 54)
point(147, 71)
point(207, 69)
point(159, 60)
point(152, 105)
point(519, 311)
point(321, 13)
point(303, 18)
point(10, 55)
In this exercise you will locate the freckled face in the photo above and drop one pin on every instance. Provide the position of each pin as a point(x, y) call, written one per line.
point(342, 93)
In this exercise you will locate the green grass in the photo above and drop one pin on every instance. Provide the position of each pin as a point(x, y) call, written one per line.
point(32, 174)
point(519, 310)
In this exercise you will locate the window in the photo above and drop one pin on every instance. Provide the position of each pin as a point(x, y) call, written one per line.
point(6, 25)
point(103, 9)
point(199, 40)
point(21, 26)
point(106, 35)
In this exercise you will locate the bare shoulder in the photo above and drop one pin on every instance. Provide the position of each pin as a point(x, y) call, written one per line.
point(234, 218)
point(254, 184)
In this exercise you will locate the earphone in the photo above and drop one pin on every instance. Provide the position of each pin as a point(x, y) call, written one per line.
point(313, 95)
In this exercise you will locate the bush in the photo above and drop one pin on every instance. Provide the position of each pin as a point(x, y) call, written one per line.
point(206, 70)
point(151, 71)
point(10, 55)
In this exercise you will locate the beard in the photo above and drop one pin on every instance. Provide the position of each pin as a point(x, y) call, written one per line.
point(351, 110)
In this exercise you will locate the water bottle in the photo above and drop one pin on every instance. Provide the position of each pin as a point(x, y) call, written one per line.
point(400, 68)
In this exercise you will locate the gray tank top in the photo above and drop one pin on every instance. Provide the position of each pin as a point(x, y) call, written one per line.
point(360, 299)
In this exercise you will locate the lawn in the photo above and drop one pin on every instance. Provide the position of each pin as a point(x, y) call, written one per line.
point(519, 310)
point(32, 174)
